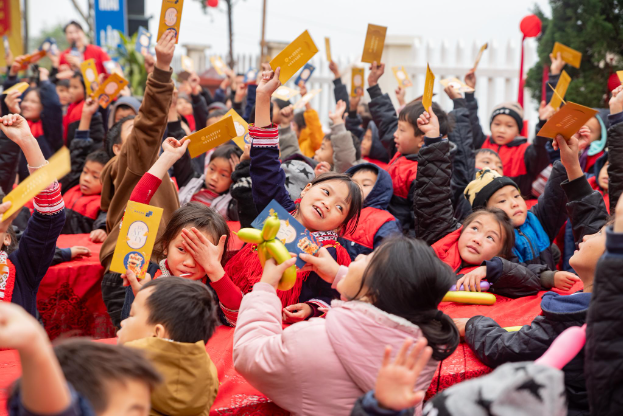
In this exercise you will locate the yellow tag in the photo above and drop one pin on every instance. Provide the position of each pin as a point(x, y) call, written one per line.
point(212, 136)
point(187, 63)
point(560, 90)
point(401, 76)
point(285, 93)
point(428, 94)
point(357, 82)
point(136, 238)
point(483, 47)
point(374, 43)
point(218, 64)
point(109, 90)
point(90, 75)
point(294, 56)
point(620, 74)
point(327, 50)
point(170, 17)
point(59, 165)
point(569, 55)
point(457, 84)
point(306, 99)
point(567, 121)
point(241, 127)
point(20, 86)
point(513, 328)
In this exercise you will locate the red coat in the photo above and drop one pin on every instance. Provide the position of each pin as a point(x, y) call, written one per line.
point(447, 250)
point(403, 170)
point(371, 220)
point(512, 156)
point(593, 182)
point(86, 205)
point(91, 52)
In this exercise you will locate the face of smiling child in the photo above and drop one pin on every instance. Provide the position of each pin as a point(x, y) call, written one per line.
point(509, 200)
point(323, 207)
point(481, 240)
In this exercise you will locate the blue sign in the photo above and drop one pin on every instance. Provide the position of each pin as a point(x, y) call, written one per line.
point(110, 17)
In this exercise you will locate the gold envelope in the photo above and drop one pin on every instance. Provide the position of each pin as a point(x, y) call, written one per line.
point(327, 50)
point(567, 121)
point(428, 94)
point(90, 75)
point(357, 82)
point(294, 56)
point(241, 126)
point(374, 43)
point(457, 84)
point(20, 86)
point(109, 90)
point(560, 90)
point(285, 93)
point(212, 136)
point(401, 76)
point(483, 48)
point(306, 99)
point(620, 74)
point(170, 18)
point(569, 55)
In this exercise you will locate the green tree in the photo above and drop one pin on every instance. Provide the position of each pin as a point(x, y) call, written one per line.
point(592, 27)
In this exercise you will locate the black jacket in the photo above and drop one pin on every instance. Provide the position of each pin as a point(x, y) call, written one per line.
point(353, 122)
point(79, 149)
point(603, 348)
point(241, 192)
point(184, 169)
point(200, 111)
point(9, 159)
point(614, 141)
point(384, 116)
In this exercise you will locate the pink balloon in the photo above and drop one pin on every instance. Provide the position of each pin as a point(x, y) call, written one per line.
point(531, 26)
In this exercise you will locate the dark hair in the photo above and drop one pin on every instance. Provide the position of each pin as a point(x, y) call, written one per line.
point(405, 278)
point(113, 136)
point(501, 217)
point(198, 215)
point(299, 120)
point(252, 114)
point(183, 76)
point(62, 83)
point(413, 110)
point(489, 152)
point(73, 23)
point(226, 151)
point(90, 367)
point(357, 143)
point(281, 104)
point(365, 168)
point(353, 198)
point(78, 74)
point(99, 156)
point(217, 113)
point(10, 231)
point(186, 308)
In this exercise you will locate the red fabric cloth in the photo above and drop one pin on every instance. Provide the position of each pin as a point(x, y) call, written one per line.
point(605, 195)
point(36, 128)
point(74, 112)
point(91, 51)
point(379, 163)
point(403, 172)
point(87, 205)
point(511, 156)
point(371, 220)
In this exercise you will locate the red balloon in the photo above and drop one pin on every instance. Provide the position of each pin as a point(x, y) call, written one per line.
point(531, 26)
point(212, 3)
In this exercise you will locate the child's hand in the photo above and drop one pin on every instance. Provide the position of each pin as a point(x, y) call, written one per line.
point(273, 272)
point(546, 111)
point(354, 102)
point(565, 280)
point(241, 91)
point(615, 103)
point(44, 74)
point(79, 252)
point(338, 114)
point(6, 222)
point(428, 123)
point(333, 67)
point(97, 236)
point(569, 150)
point(472, 280)
point(148, 62)
point(394, 388)
point(470, 79)
point(175, 148)
point(322, 263)
point(130, 279)
point(321, 168)
point(452, 92)
point(206, 254)
point(90, 107)
point(194, 83)
point(164, 50)
point(400, 95)
point(17, 65)
point(12, 101)
point(296, 313)
point(376, 71)
point(234, 161)
point(287, 114)
point(556, 63)
point(619, 221)
point(303, 90)
point(15, 127)
point(460, 323)
point(269, 83)
point(246, 152)
point(19, 330)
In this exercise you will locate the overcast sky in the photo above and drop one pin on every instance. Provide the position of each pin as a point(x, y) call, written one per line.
point(344, 21)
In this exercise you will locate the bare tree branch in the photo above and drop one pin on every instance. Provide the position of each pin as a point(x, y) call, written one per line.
point(86, 18)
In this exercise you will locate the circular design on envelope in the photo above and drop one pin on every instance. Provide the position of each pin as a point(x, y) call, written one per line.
point(171, 16)
point(400, 75)
point(110, 88)
point(137, 235)
point(90, 74)
point(134, 261)
point(357, 80)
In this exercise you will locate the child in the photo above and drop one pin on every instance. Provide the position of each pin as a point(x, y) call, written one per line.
point(171, 321)
point(62, 90)
point(24, 268)
point(307, 127)
point(71, 120)
point(327, 205)
point(373, 150)
point(388, 295)
point(54, 381)
point(488, 159)
point(375, 223)
point(123, 107)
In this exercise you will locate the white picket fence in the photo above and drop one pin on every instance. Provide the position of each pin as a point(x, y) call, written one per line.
point(497, 73)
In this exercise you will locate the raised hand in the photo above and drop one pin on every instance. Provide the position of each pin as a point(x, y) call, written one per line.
point(303, 90)
point(428, 123)
point(206, 254)
point(269, 82)
point(376, 71)
point(400, 95)
point(148, 62)
point(470, 79)
point(354, 102)
point(615, 103)
point(174, 147)
point(452, 92)
point(13, 100)
point(44, 74)
point(18, 329)
point(286, 115)
point(337, 115)
point(333, 67)
point(546, 111)
point(90, 107)
point(556, 63)
point(164, 50)
point(569, 151)
point(321, 168)
point(15, 127)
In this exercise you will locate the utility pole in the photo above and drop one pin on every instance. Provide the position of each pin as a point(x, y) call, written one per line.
point(263, 40)
point(25, 19)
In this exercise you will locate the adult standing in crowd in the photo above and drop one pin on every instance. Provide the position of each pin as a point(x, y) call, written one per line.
point(80, 49)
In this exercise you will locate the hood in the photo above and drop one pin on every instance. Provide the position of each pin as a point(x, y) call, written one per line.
point(381, 194)
point(603, 119)
point(359, 333)
point(129, 101)
point(190, 378)
point(298, 175)
point(556, 304)
point(377, 151)
point(299, 156)
point(599, 164)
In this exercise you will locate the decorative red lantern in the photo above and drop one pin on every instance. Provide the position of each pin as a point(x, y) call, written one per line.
point(531, 26)
point(212, 3)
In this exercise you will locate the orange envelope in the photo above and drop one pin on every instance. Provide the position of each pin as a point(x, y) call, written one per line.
point(428, 94)
point(483, 47)
point(567, 121)
point(170, 18)
point(569, 55)
point(212, 136)
point(620, 74)
point(32, 58)
point(327, 50)
point(294, 56)
point(109, 90)
point(90, 75)
point(357, 82)
point(374, 43)
point(401, 76)
point(20, 86)
point(241, 126)
point(560, 90)
point(457, 84)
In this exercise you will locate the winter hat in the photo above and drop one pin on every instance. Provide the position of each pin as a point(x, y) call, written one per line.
point(217, 105)
point(515, 389)
point(298, 175)
point(510, 109)
point(479, 191)
point(281, 103)
point(598, 146)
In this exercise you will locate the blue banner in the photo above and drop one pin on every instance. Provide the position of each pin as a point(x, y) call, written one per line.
point(110, 16)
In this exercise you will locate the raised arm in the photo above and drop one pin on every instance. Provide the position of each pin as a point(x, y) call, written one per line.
point(382, 110)
point(478, 137)
point(614, 138)
point(52, 111)
point(342, 143)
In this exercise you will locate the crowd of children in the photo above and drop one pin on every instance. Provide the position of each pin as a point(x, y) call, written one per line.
point(404, 203)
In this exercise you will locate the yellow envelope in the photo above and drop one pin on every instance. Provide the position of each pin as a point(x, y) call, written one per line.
point(569, 55)
point(285, 93)
point(560, 90)
point(567, 121)
point(294, 56)
point(32, 58)
point(59, 166)
point(327, 50)
point(218, 64)
point(428, 94)
point(20, 86)
point(483, 47)
point(136, 238)
point(212, 136)
point(187, 63)
point(90, 75)
point(241, 126)
point(357, 82)
point(306, 99)
point(401, 76)
point(170, 18)
point(109, 90)
point(620, 75)
point(374, 43)
point(457, 84)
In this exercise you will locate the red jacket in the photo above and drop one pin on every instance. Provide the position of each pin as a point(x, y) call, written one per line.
point(593, 182)
point(86, 205)
point(511, 154)
point(371, 220)
point(90, 52)
point(447, 250)
point(403, 170)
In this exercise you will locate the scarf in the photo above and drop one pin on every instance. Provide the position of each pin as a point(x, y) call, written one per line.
point(36, 128)
point(7, 277)
point(531, 239)
point(74, 113)
point(447, 250)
